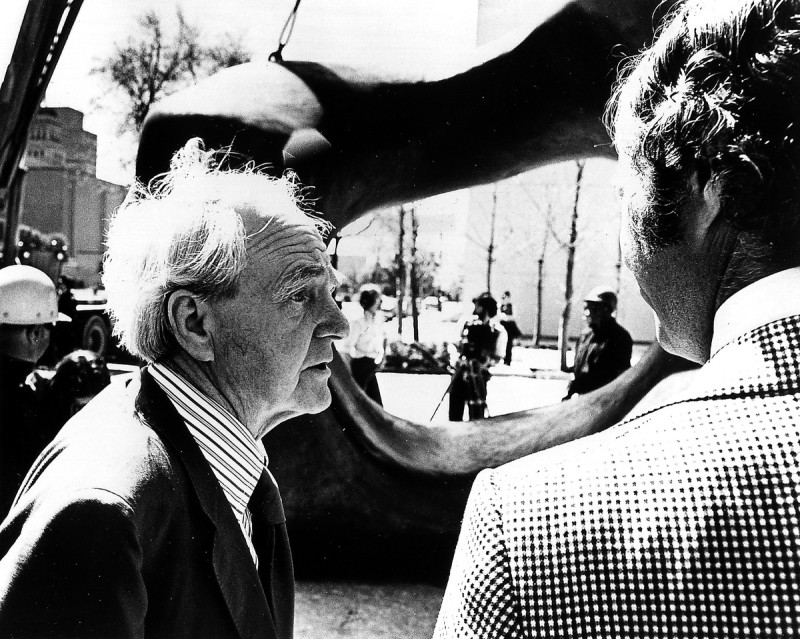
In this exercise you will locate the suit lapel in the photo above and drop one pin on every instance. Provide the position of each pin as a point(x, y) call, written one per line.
point(233, 565)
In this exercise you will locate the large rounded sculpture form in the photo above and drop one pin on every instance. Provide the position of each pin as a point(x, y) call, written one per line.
point(368, 494)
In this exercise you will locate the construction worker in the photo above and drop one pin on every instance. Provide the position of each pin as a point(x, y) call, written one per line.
point(28, 313)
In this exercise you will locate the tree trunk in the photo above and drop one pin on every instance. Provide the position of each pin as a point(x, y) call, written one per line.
point(618, 285)
point(563, 328)
point(400, 282)
point(537, 336)
point(414, 280)
point(490, 249)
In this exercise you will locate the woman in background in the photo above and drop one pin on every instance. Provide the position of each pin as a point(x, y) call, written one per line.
point(367, 342)
point(509, 323)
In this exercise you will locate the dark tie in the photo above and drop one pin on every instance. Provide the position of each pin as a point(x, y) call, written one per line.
point(271, 544)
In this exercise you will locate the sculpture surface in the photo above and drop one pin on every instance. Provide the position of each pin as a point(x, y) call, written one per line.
point(369, 494)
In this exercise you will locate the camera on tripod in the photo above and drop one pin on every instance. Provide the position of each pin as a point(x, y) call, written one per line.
point(478, 340)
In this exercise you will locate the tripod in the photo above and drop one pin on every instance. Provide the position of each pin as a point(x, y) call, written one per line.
point(471, 372)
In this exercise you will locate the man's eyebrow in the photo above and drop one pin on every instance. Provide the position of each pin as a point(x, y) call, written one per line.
point(294, 280)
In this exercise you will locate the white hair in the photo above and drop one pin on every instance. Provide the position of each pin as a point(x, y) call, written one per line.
point(185, 231)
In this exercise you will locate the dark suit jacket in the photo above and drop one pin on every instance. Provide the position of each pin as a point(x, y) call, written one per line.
point(600, 357)
point(681, 522)
point(24, 432)
point(122, 530)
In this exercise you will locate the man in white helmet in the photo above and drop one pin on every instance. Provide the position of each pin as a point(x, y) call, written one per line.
point(28, 312)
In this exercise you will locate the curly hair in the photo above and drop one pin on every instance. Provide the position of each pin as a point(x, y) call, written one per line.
point(184, 230)
point(717, 95)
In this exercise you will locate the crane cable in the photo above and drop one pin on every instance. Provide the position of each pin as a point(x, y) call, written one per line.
point(286, 34)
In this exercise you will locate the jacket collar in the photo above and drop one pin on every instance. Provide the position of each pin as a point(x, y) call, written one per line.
point(233, 565)
point(762, 362)
point(766, 300)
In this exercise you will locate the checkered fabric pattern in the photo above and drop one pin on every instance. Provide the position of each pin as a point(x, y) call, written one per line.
point(680, 522)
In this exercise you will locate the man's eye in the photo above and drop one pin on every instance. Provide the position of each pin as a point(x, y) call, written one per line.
point(298, 296)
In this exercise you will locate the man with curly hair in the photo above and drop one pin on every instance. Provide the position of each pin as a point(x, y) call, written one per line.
point(681, 521)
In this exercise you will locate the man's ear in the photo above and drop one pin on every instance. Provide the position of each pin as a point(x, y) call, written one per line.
point(191, 321)
point(706, 205)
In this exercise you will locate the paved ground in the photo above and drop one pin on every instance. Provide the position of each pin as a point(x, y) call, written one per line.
point(326, 610)
point(506, 393)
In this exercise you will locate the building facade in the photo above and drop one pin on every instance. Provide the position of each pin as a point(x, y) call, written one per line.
point(61, 192)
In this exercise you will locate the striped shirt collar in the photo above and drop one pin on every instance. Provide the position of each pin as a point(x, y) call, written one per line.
point(235, 456)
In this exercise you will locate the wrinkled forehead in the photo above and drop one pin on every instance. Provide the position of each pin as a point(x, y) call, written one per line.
point(283, 238)
point(290, 243)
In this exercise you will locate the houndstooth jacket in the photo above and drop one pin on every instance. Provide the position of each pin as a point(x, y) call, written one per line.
point(680, 522)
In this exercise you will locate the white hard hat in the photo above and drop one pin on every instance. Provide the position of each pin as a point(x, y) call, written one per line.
point(28, 296)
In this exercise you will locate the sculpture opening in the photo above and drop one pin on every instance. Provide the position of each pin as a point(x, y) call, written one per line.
point(368, 494)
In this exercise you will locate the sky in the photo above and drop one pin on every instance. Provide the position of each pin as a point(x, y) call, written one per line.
point(402, 35)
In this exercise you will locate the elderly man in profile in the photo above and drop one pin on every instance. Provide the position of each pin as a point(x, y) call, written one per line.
point(153, 512)
point(682, 521)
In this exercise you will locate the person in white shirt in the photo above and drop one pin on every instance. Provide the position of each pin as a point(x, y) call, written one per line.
point(681, 521)
point(366, 344)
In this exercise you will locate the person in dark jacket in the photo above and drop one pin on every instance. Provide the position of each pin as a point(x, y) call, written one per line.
point(77, 378)
point(604, 348)
point(482, 344)
point(28, 313)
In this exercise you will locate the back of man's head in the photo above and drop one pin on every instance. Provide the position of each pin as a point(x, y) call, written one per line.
point(718, 96)
point(185, 231)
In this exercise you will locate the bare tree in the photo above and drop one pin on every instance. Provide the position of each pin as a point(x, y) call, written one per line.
point(400, 262)
point(570, 245)
point(153, 64)
point(413, 273)
point(543, 202)
point(490, 248)
point(537, 337)
point(228, 53)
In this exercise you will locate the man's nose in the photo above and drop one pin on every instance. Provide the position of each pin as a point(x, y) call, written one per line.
point(334, 324)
